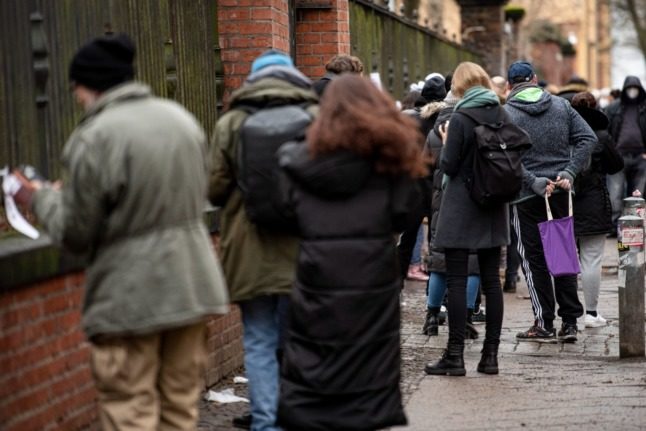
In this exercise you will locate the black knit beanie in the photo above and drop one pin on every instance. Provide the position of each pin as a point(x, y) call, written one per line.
point(434, 89)
point(104, 62)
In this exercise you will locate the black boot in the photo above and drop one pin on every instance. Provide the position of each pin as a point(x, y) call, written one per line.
point(489, 361)
point(510, 285)
point(451, 363)
point(431, 323)
point(470, 331)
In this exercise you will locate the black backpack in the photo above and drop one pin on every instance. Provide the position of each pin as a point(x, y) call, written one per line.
point(264, 130)
point(497, 172)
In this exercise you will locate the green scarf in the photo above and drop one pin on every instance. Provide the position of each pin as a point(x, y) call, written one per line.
point(476, 97)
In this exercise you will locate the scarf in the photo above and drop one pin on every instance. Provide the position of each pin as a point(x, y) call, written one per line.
point(476, 97)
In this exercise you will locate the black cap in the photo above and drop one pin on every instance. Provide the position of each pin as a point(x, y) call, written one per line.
point(104, 62)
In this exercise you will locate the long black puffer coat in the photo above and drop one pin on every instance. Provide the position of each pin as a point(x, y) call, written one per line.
point(591, 203)
point(341, 363)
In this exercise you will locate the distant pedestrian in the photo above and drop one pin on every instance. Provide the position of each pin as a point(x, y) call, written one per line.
point(592, 208)
point(259, 263)
point(561, 146)
point(349, 188)
point(627, 117)
point(337, 65)
point(573, 86)
point(432, 93)
point(132, 208)
point(464, 225)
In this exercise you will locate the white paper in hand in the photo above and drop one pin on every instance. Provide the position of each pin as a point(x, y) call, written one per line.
point(10, 186)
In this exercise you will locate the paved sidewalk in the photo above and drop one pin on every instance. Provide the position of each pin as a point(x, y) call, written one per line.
point(540, 386)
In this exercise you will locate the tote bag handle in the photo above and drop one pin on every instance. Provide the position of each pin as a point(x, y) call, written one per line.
point(549, 210)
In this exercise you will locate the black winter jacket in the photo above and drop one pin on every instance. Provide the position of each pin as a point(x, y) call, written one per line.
point(592, 207)
point(615, 110)
point(341, 363)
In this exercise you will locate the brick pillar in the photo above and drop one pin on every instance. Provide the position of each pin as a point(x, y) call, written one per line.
point(246, 28)
point(321, 33)
point(482, 31)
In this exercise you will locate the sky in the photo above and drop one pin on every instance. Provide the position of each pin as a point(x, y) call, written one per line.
point(626, 59)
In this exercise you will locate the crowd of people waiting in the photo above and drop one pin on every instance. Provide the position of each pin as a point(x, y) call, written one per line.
point(349, 178)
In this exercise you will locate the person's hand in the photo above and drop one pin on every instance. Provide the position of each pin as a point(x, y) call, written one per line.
point(636, 193)
point(643, 155)
point(564, 180)
point(444, 131)
point(25, 193)
point(543, 186)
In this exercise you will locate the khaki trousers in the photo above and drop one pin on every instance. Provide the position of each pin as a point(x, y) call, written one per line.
point(150, 382)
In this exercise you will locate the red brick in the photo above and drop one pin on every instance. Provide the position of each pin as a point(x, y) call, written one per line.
point(234, 14)
point(254, 28)
point(262, 13)
point(327, 48)
point(311, 60)
point(23, 313)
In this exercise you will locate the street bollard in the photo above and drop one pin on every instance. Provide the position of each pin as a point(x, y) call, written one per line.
point(635, 206)
point(630, 244)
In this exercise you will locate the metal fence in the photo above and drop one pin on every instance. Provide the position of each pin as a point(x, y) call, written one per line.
point(399, 49)
point(177, 55)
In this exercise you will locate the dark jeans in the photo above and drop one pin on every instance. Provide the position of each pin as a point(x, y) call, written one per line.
point(457, 262)
point(542, 291)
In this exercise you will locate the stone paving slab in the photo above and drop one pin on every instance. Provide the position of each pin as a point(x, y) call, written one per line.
point(541, 386)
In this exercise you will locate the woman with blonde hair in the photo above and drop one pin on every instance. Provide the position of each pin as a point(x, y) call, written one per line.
point(349, 191)
point(465, 225)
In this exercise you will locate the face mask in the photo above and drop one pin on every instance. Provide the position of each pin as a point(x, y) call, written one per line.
point(632, 93)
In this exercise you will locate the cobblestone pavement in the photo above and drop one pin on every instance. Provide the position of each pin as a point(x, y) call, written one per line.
point(540, 386)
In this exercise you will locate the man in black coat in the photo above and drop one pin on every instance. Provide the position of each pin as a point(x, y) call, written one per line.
point(627, 117)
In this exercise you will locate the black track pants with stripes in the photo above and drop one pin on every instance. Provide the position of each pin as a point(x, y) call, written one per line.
point(525, 218)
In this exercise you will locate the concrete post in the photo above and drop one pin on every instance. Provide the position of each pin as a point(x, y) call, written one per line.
point(630, 237)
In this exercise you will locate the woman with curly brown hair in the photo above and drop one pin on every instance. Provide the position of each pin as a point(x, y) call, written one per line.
point(349, 190)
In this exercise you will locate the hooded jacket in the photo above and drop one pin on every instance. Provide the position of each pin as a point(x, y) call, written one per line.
point(256, 261)
point(134, 199)
point(561, 139)
point(592, 207)
point(341, 362)
point(615, 111)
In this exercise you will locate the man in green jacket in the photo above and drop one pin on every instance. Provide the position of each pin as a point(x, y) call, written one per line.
point(133, 203)
point(259, 264)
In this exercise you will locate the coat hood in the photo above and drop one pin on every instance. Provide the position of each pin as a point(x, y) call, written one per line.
point(333, 176)
point(632, 81)
point(274, 83)
point(533, 105)
point(432, 108)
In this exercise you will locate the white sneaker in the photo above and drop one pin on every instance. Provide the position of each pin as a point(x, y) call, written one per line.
point(594, 322)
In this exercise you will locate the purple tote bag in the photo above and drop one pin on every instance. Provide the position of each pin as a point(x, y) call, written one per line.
point(559, 244)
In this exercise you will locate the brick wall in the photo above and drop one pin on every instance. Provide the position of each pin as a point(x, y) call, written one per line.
point(246, 28)
point(482, 31)
point(320, 35)
point(45, 382)
point(45, 378)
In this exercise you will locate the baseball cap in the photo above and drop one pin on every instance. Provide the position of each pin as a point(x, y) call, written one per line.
point(520, 71)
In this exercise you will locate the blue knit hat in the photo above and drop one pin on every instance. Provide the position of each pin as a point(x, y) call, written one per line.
point(271, 57)
point(520, 71)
